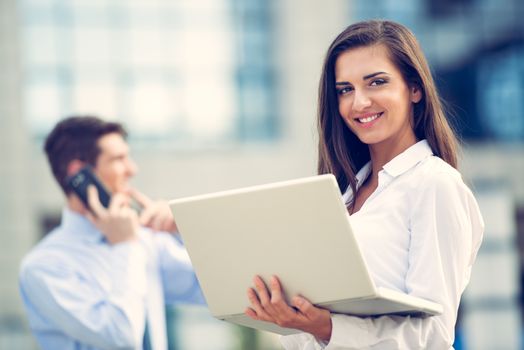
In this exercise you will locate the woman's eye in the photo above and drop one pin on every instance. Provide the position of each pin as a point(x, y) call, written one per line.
point(378, 82)
point(344, 90)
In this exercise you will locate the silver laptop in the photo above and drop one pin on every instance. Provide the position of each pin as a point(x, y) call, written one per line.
point(298, 230)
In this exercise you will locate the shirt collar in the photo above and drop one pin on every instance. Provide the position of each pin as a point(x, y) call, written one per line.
point(78, 225)
point(408, 159)
point(361, 176)
point(395, 167)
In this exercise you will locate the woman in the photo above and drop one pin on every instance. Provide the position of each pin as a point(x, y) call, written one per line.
point(384, 136)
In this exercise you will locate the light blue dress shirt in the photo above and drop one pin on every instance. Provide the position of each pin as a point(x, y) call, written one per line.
point(82, 293)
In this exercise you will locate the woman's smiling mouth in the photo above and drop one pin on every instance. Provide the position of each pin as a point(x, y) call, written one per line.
point(369, 118)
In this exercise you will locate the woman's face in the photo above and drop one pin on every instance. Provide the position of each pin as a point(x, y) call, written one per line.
point(373, 98)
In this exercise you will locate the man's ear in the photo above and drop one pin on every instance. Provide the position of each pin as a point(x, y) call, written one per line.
point(416, 93)
point(74, 166)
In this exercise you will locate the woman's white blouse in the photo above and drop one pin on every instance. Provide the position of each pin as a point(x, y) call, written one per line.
point(419, 232)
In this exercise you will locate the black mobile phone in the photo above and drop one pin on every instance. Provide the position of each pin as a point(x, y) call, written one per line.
point(82, 179)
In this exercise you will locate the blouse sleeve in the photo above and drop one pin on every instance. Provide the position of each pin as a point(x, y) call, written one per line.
point(445, 234)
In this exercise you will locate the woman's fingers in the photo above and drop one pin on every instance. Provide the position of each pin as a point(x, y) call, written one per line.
point(276, 289)
point(256, 311)
point(304, 307)
point(278, 301)
point(261, 301)
point(262, 291)
point(314, 320)
point(271, 306)
point(251, 313)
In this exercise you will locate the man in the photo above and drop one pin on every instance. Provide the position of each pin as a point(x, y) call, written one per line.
point(100, 280)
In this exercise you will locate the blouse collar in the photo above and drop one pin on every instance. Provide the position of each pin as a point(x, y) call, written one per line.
point(395, 167)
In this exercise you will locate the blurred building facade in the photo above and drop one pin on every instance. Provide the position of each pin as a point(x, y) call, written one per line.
point(264, 64)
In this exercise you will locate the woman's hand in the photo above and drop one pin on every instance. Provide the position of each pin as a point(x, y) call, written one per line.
point(270, 306)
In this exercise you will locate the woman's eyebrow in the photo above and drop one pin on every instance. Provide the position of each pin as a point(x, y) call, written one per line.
point(365, 77)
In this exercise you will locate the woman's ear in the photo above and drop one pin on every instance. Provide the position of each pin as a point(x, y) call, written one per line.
point(74, 166)
point(416, 93)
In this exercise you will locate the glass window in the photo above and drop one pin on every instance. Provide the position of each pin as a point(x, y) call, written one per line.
point(170, 70)
point(500, 91)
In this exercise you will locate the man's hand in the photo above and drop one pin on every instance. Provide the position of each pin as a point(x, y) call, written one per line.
point(270, 306)
point(156, 214)
point(118, 223)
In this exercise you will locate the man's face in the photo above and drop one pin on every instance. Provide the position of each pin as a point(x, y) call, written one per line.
point(114, 165)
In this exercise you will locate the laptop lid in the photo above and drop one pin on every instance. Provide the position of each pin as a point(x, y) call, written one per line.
point(298, 230)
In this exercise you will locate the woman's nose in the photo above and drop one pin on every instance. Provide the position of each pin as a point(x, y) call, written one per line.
point(361, 101)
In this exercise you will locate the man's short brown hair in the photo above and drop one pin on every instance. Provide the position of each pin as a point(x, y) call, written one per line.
point(76, 137)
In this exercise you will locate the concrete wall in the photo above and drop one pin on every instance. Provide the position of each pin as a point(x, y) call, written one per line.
point(18, 225)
